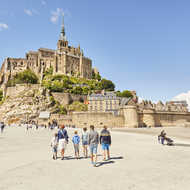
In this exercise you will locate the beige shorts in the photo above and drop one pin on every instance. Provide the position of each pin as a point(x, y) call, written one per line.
point(62, 144)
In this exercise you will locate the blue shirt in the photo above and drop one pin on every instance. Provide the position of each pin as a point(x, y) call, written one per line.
point(76, 139)
point(62, 134)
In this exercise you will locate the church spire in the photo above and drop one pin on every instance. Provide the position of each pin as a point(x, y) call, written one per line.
point(62, 35)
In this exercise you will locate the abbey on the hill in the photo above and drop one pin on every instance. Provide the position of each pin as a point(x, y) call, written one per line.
point(65, 60)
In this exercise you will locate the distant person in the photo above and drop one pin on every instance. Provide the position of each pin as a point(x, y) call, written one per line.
point(54, 145)
point(85, 142)
point(76, 141)
point(2, 126)
point(93, 140)
point(63, 140)
point(105, 141)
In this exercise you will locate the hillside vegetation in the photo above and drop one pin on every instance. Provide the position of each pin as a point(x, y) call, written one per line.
point(74, 85)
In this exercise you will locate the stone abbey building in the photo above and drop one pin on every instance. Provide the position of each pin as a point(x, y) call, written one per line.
point(65, 60)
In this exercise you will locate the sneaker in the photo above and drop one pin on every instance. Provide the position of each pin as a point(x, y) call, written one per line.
point(62, 158)
point(94, 164)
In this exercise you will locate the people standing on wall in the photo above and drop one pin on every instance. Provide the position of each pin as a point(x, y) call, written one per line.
point(93, 140)
point(105, 141)
point(62, 140)
point(85, 142)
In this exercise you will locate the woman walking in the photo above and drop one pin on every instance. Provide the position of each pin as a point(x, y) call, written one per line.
point(62, 140)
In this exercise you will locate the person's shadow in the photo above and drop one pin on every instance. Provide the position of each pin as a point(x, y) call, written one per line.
point(180, 144)
point(116, 158)
point(110, 161)
point(104, 163)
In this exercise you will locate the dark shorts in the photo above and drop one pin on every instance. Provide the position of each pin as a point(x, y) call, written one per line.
point(54, 149)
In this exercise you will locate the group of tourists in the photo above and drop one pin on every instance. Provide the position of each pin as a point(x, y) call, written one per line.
point(34, 125)
point(89, 140)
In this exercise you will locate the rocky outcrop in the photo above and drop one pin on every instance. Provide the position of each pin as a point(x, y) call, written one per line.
point(27, 104)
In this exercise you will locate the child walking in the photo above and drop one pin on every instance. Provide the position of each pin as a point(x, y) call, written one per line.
point(76, 141)
point(54, 144)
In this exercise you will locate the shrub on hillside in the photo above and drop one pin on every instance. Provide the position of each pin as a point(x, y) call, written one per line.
point(26, 76)
point(74, 85)
point(125, 93)
point(107, 85)
point(1, 95)
point(77, 106)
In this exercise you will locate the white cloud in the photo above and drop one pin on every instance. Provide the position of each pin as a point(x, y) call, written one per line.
point(31, 12)
point(140, 99)
point(56, 14)
point(3, 26)
point(43, 2)
point(183, 96)
point(28, 12)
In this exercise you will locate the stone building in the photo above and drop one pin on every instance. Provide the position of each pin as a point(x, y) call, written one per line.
point(106, 102)
point(66, 60)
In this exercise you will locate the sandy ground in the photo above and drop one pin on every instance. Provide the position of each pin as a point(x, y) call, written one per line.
point(138, 163)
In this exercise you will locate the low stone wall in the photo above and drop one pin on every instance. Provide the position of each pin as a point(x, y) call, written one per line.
point(16, 90)
point(165, 119)
point(171, 119)
point(85, 119)
point(66, 98)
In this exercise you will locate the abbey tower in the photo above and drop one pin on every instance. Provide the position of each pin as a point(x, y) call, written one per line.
point(66, 60)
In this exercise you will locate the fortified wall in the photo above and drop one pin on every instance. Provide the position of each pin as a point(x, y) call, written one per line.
point(22, 99)
point(130, 118)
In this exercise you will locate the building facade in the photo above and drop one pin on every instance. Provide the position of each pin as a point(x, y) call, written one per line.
point(66, 60)
point(106, 102)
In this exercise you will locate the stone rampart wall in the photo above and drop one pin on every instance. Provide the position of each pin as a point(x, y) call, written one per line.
point(165, 119)
point(85, 119)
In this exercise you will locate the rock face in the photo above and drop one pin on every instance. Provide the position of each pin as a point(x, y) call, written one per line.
point(27, 104)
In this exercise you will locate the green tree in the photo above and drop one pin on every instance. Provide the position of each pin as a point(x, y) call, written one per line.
point(77, 106)
point(49, 71)
point(62, 110)
point(107, 85)
point(125, 93)
point(1, 95)
point(26, 76)
point(77, 90)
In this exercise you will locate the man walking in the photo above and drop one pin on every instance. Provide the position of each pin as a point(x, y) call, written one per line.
point(105, 141)
point(93, 139)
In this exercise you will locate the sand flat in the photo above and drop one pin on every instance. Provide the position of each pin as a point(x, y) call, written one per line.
point(138, 162)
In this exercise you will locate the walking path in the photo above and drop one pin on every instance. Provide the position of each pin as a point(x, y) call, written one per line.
point(138, 163)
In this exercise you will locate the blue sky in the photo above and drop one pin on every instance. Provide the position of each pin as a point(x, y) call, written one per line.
point(140, 45)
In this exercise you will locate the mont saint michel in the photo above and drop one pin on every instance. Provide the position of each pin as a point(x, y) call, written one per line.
point(94, 95)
